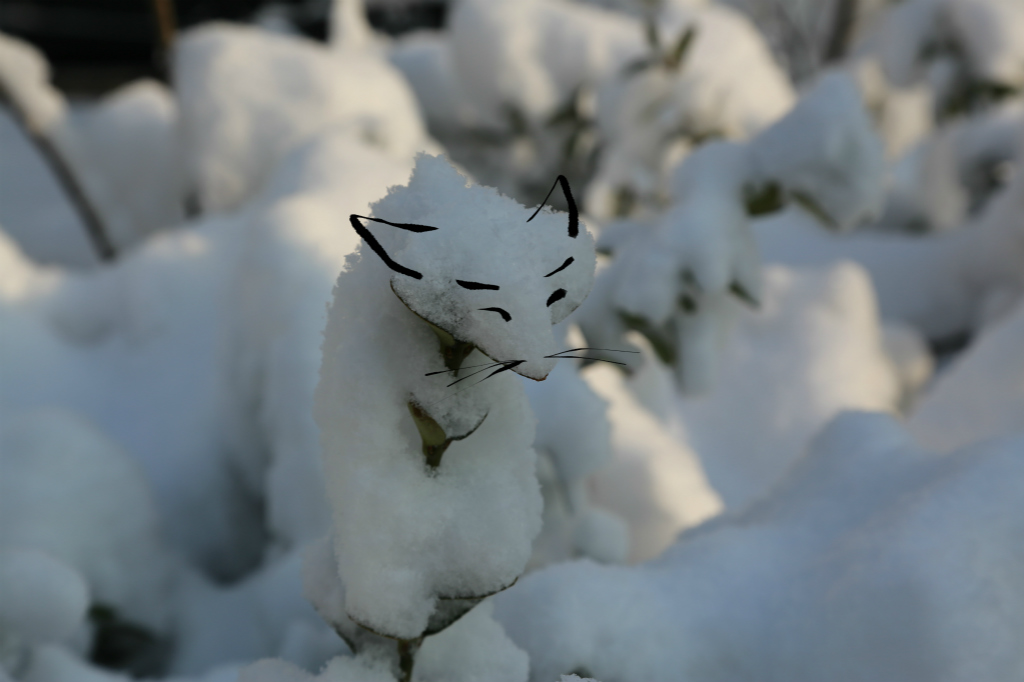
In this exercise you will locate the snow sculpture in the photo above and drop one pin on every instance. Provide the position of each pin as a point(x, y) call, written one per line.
point(426, 435)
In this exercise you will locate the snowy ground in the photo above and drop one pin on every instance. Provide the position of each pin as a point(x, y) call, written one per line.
point(809, 468)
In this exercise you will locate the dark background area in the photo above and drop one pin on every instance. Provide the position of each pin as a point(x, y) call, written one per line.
point(96, 45)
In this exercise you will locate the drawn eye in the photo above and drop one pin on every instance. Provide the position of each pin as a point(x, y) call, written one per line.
point(563, 266)
point(501, 311)
point(557, 296)
point(476, 285)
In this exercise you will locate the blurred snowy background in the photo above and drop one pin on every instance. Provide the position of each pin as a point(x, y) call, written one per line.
point(811, 228)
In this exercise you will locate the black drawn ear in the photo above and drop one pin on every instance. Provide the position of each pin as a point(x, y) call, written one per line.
point(574, 214)
point(379, 250)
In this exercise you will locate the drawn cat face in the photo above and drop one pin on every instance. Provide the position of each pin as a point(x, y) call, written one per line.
point(473, 262)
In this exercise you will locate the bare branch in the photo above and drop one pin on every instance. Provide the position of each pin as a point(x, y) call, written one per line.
point(64, 173)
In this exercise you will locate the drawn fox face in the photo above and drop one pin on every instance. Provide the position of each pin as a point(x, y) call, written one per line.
point(477, 265)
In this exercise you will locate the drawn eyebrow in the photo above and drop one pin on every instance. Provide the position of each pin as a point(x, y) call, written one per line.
point(557, 296)
point(501, 311)
point(476, 285)
point(563, 266)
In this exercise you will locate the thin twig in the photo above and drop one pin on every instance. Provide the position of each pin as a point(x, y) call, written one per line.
point(843, 20)
point(65, 175)
point(166, 27)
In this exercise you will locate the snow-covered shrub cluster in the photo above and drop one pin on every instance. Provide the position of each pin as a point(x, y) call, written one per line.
point(294, 430)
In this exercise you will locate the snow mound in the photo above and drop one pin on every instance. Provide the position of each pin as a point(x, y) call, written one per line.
point(813, 349)
point(980, 395)
point(248, 96)
point(41, 599)
point(826, 152)
point(70, 492)
point(868, 534)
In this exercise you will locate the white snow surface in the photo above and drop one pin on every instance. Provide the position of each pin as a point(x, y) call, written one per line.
point(655, 481)
point(68, 491)
point(142, 349)
point(41, 599)
point(813, 349)
point(26, 79)
point(103, 143)
point(868, 533)
point(247, 97)
point(940, 285)
point(827, 151)
point(979, 396)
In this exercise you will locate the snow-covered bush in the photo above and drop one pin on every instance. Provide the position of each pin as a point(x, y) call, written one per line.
point(672, 276)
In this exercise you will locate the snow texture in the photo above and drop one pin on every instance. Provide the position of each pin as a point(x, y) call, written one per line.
point(987, 34)
point(247, 97)
point(655, 481)
point(103, 143)
point(25, 77)
point(979, 396)
point(465, 530)
point(941, 286)
point(826, 151)
point(868, 533)
point(43, 599)
point(817, 341)
point(573, 442)
point(68, 491)
point(725, 86)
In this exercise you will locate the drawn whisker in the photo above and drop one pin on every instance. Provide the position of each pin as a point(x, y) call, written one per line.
point(445, 371)
point(474, 373)
point(607, 350)
point(513, 363)
point(583, 357)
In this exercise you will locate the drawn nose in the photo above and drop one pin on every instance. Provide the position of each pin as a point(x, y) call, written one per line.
point(536, 369)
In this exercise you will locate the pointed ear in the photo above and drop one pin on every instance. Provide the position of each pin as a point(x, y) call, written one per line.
point(379, 250)
point(574, 214)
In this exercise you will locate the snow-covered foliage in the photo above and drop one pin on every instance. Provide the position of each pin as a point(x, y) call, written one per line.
point(179, 502)
point(969, 51)
point(672, 276)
